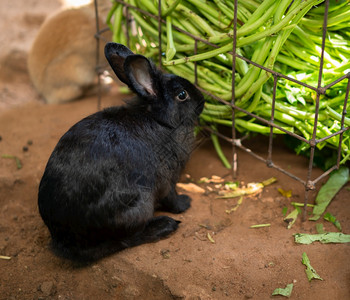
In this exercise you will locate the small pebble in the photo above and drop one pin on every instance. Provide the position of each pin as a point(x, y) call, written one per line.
point(47, 288)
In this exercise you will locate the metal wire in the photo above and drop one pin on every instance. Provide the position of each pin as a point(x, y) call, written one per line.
point(98, 57)
point(237, 143)
point(309, 185)
point(233, 99)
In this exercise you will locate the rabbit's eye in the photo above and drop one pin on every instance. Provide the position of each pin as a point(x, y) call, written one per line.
point(182, 96)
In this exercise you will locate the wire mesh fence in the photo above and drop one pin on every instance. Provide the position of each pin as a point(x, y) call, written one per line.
point(235, 139)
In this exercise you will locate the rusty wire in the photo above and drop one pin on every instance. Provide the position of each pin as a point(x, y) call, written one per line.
point(308, 183)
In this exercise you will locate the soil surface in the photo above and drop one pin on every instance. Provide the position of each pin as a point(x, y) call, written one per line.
point(213, 255)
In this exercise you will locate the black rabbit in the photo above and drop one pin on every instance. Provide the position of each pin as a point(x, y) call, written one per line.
point(111, 170)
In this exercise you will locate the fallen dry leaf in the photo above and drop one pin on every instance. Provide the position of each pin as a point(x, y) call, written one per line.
point(213, 179)
point(210, 238)
point(191, 187)
point(251, 188)
point(5, 257)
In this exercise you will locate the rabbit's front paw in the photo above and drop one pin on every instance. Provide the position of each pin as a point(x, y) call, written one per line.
point(160, 227)
point(175, 203)
point(183, 203)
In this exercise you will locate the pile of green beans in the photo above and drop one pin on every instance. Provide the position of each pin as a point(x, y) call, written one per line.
point(281, 35)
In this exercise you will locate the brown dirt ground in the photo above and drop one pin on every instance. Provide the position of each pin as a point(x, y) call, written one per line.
point(243, 263)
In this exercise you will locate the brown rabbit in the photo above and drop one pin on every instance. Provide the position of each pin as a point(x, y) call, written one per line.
point(62, 59)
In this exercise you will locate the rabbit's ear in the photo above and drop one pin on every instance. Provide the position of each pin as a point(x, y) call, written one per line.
point(116, 55)
point(141, 75)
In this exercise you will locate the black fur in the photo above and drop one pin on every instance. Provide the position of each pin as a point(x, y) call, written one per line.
point(111, 170)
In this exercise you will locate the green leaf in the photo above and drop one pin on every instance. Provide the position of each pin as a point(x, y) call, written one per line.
point(324, 238)
point(286, 292)
point(232, 185)
point(284, 210)
point(319, 228)
point(301, 100)
point(310, 271)
point(329, 217)
point(290, 97)
point(335, 182)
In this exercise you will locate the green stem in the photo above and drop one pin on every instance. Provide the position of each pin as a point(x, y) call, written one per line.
point(110, 15)
point(295, 63)
point(171, 8)
point(276, 27)
point(251, 5)
point(333, 19)
point(261, 52)
point(117, 24)
point(218, 149)
point(15, 158)
point(170, 50)
point(201, 24)
point(147, 5)
point(209, 10)
point(281, 10)
point(201, 56)
point(259, 17)
point(338, 116)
